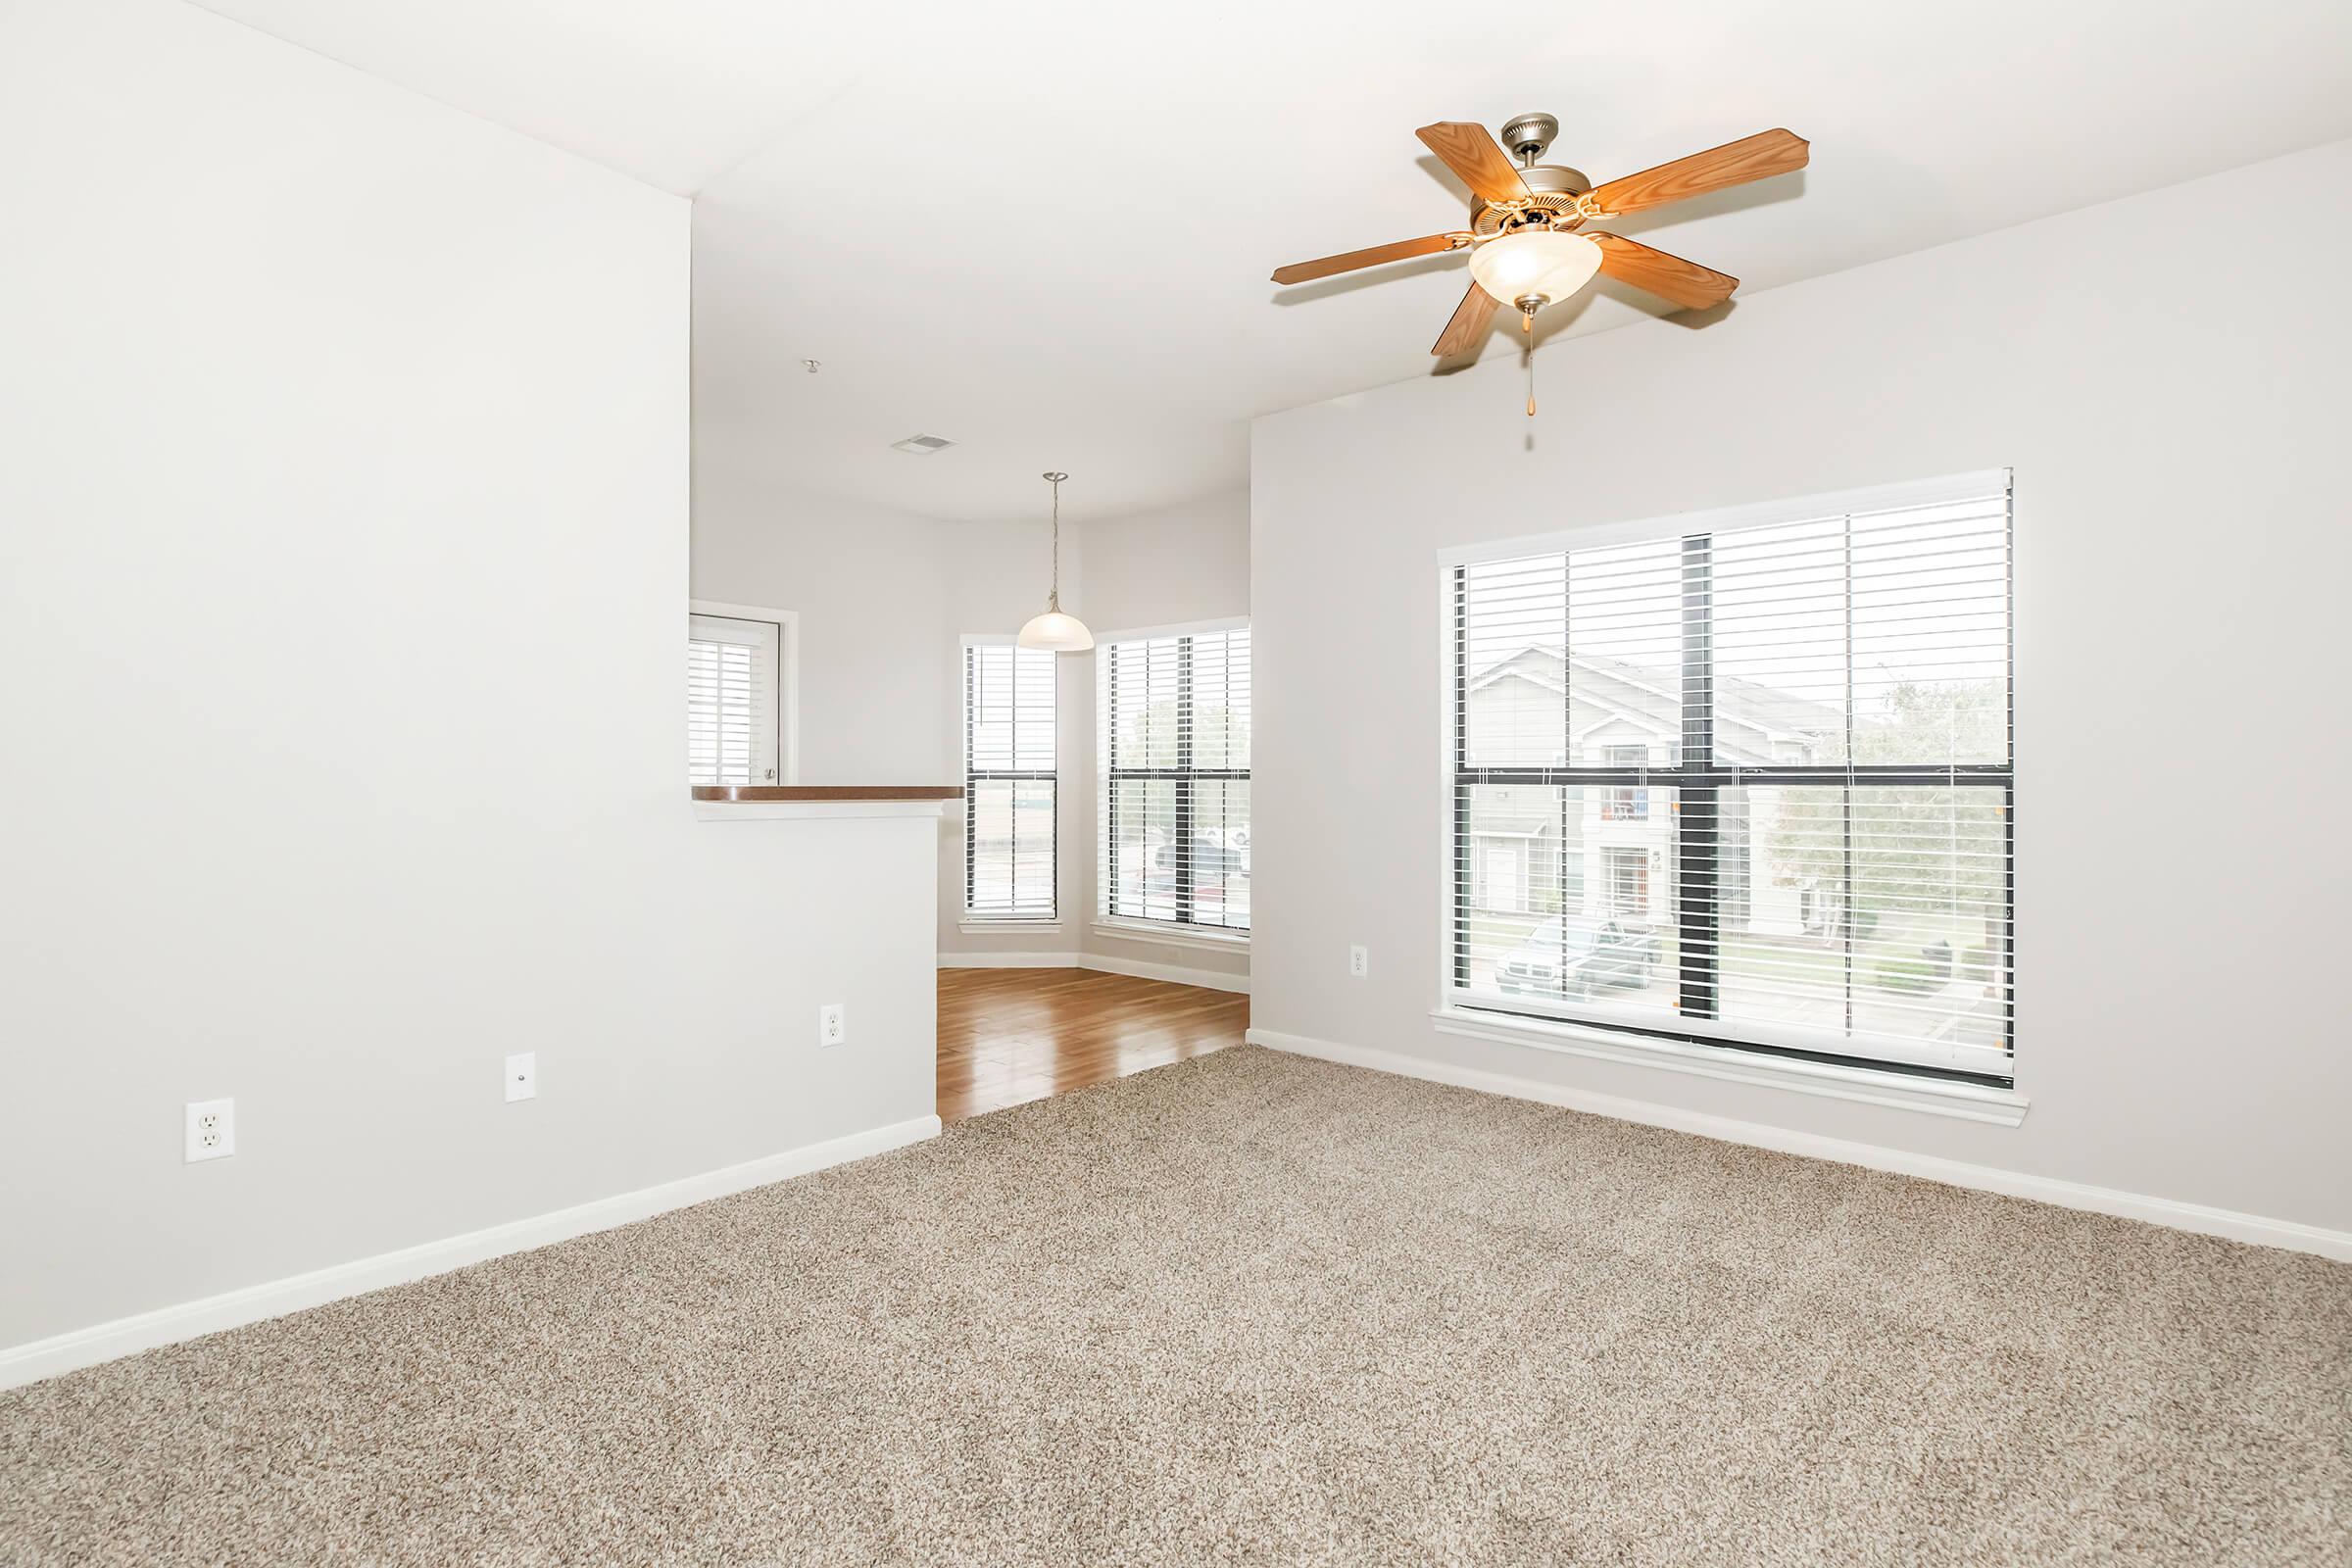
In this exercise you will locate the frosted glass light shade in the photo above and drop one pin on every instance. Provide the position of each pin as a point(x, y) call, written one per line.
point(1547, 264)
point(1063, 635)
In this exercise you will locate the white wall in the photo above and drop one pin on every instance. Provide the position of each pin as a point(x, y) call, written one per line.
point(1183, 563)
point(343, 550)
point(866, 584)
point(2173, 405)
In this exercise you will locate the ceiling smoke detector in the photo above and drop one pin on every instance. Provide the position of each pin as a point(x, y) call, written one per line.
point(922, 444)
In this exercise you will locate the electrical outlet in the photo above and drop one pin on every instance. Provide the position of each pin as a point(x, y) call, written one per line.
point(211, 1128)
point(1359, 962)
point(522, 1076)
point(832, 1027)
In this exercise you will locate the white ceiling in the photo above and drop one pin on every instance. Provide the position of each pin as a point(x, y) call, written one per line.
point(1044, 231)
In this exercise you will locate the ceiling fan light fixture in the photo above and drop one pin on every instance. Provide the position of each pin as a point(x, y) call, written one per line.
point(1519, 259)
point(1542, 264)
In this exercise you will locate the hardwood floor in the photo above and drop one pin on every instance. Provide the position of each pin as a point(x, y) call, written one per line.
point(1009, 1036)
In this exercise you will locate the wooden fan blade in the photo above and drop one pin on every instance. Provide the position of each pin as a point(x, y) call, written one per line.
point(1472, 152)
point(1669, 277)
point(1349, 261)
point(1734, 163)
point(1468, 327)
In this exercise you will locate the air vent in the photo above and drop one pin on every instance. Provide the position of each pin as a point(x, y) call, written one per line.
point(922, 444)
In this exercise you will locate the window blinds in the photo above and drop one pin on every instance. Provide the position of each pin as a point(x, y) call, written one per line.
point(1174, 728)
point(1747, 780)
point(1010, 782)
point(730, 701)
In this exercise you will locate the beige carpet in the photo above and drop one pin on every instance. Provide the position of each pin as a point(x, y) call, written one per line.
point(1253, 1308)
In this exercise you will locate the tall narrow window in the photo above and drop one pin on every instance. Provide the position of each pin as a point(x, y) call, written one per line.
point(1747, 780)
point(1174, 734)
point(731, 699)
point(1009, 781)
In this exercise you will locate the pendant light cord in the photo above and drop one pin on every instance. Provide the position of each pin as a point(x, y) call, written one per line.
point(1054, 629)
point(1054, 594)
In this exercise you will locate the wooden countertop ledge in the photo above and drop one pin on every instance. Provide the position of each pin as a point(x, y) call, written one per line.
point(770, 794)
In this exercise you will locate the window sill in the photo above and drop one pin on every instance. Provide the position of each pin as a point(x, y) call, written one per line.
point(2001, 1107)
point(1173, 935)
point(981, 926)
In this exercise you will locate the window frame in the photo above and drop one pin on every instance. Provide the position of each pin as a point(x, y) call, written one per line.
point(1182, 929)
point(969, 919)
point(1928, 1069)
point(1626, 803)
point(787, 705)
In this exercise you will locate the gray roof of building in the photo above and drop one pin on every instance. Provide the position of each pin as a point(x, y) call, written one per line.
point(1654, 693)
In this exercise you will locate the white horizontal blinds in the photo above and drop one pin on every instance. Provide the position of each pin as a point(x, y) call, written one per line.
point(1749, 783)
point(1010, 781)
point(1569, 662)
point(1879, 639)
point(1175, 836)
point(730, 700)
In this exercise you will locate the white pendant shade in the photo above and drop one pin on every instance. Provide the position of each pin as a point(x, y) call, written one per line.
point(1063, 635)
point(1547, 265)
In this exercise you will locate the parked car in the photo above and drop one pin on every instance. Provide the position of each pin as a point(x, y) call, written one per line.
point(1573, 955)
point(1209, 858)
point(1210, 865)
point(1162, 886)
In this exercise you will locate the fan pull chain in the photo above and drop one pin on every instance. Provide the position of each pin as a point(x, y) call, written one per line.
point(1527, 325)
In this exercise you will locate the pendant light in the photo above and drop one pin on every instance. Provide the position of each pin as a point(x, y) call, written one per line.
point(1063, 634)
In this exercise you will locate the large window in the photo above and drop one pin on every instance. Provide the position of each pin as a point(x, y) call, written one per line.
point(1009, 781)
point(1175, 760)
point(1747, 780)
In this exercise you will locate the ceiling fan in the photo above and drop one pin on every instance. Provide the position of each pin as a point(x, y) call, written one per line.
point(1525, 247)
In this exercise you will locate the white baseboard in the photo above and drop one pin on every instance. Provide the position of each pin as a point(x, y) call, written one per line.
point(104, 1341)
point(1104, 964)
point(2289, 1234)
point(1210, 979)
